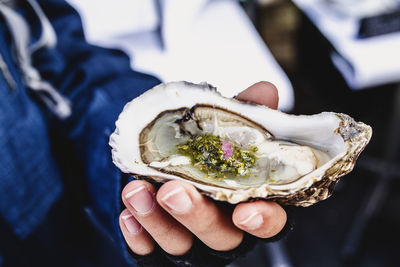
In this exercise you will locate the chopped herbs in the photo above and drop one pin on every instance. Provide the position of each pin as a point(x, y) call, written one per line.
point(217, 157)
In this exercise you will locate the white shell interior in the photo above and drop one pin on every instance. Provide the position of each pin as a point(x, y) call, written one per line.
point(277, 161)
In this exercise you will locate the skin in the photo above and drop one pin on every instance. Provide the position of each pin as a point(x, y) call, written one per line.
point(177, 211)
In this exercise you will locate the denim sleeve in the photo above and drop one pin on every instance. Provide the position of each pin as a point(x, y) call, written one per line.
point(98, 82)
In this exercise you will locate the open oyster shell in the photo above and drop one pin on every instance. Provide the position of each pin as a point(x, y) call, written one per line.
point(299, 159)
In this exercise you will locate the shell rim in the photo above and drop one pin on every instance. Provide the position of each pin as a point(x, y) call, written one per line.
point(231, 195)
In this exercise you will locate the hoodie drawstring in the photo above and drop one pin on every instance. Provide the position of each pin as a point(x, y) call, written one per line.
point(19, 29)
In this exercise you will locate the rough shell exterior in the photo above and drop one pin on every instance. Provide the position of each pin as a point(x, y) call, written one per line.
point(308, 190)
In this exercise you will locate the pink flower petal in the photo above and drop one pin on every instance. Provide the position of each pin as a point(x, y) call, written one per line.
point(227, 148)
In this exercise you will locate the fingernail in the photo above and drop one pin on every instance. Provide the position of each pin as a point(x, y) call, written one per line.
point(178, 200)
point(131, 224)
point(141, 200)
point(253, 221)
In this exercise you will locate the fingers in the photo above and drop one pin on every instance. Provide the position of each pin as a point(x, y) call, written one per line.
point(260, 218)
point(193, 212)
point(171, 236)
point(263, 93)
point(200, 215)
point(139, 241)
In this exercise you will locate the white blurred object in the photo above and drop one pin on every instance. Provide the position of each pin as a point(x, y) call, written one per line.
point(201, 40)
point(362, 62)
point(362, 8)
point(105, 19)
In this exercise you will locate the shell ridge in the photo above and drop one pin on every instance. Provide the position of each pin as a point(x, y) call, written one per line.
point(342, 134)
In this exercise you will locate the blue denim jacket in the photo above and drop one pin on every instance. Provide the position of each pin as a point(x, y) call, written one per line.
point(43, 155)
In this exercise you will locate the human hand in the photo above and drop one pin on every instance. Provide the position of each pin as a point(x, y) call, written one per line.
point(171, 215)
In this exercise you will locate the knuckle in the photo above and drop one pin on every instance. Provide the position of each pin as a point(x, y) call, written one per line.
point(143, 248)
point(180, 248)
point(207, 223)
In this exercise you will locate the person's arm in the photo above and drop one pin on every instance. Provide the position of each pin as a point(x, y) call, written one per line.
point(99, 82)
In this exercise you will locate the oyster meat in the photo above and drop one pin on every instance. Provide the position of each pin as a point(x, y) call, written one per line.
point(235, 151)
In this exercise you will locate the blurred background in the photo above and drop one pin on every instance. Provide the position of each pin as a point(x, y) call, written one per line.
point(323, 55)
point(358, 225)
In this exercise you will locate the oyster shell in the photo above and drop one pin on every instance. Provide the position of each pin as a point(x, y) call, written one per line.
point(297, 159)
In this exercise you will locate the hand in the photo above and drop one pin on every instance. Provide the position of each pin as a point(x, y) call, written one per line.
point(177, 211)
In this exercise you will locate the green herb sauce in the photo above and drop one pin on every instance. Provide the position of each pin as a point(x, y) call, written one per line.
point(207, 153)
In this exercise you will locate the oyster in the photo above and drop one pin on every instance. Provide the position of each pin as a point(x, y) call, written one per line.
point(235, 151)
